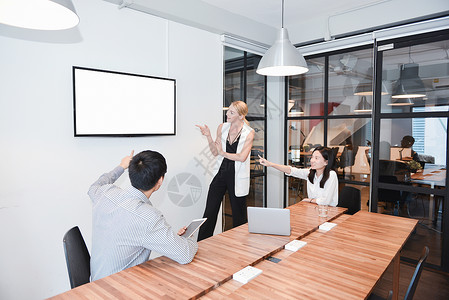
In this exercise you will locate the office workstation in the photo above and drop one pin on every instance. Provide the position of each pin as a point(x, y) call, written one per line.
point(205, 54)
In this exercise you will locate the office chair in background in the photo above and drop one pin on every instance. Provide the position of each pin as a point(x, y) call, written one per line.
point(347, 159)
point(350, 197)
point(77, 257)
point(394, 172)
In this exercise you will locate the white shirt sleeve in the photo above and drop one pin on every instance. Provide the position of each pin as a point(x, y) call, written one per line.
point(298, 173)
point(330, 193)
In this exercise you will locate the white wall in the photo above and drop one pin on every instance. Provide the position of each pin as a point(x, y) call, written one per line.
point(46, 171)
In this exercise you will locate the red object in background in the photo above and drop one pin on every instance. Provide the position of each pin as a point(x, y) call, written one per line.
point(317, 109)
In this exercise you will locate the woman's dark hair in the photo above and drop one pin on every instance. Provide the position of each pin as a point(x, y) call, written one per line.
point(145, 169)
point(328, 155)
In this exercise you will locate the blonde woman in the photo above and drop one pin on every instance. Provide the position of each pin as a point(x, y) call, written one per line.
point(232, 170)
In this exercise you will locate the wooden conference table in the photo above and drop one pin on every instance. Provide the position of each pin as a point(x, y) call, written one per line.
point(348, 260)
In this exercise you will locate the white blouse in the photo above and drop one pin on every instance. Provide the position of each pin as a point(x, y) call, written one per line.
point(327, 195)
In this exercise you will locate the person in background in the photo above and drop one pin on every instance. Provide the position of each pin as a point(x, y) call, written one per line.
point(407, 142)
point(125, 226)
point(322, 181)
point(232, 170)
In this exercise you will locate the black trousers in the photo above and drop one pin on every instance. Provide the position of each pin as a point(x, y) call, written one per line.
point(224, 180)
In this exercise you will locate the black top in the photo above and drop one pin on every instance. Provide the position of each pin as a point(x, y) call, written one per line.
point(227, 165)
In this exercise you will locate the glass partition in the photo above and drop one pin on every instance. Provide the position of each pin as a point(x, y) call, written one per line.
point(415, 76)
point(306, 92)
point(351, 83)
point(241, 82)
point(255, 89)
point(351, 138)
point(303, 137)
point(412, 158)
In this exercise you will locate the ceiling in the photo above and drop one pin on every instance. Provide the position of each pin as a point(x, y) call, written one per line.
point(306, 21)
point(269, 12)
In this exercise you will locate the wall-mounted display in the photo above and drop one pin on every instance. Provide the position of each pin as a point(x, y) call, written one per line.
point(108, 103)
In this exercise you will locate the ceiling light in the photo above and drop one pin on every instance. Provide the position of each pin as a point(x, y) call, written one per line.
point(294, 110)
point(364, 106)
point(400, 102)
point(39, 14)
point(409, 85)
point(282, 59)
point(365, 86)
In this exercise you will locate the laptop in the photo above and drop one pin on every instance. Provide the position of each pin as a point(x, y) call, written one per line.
point(269, 220)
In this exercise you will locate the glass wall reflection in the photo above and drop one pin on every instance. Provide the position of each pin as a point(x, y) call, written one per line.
point(416, 76)
point(351, 83)
point(241, 82)
point(306, 92)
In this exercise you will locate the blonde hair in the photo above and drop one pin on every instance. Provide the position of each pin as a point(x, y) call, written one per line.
point(242, 109)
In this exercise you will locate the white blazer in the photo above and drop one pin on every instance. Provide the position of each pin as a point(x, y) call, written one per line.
point(242, 169)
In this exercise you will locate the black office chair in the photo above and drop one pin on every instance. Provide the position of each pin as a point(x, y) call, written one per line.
point(77, 257)
point(336, 161)
point(347, 159)
point(394, 172)
point(350, 198)
point(413, 282)
point(416, 275)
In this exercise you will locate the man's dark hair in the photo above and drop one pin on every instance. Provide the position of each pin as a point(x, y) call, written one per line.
point(407, 141)
point(146, 168)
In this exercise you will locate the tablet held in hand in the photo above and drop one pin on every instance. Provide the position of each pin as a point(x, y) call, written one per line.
point(193, 227)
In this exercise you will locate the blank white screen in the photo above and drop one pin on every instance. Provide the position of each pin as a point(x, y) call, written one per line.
point(108, 103)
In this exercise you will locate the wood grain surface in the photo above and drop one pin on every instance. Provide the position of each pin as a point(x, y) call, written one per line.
point(218, 258)
point(343, 263)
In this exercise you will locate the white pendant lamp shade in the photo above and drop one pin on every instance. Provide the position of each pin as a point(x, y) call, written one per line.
point(39, 14)
point(282, 59)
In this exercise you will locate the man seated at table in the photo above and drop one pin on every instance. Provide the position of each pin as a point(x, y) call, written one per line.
point(407, 142)
point(125, 226)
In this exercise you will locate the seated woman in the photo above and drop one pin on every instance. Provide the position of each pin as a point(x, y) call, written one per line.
point(322, 181)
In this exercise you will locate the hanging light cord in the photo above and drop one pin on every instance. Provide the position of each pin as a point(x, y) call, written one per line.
point(282, 19)
point(410, 54)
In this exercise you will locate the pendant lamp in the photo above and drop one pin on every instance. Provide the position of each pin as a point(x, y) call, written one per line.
point(364, 106)
point(39, 14)
point(400, 102)
point(294, 110)
point(409, 84)
point(282, 59)
point(365, 86)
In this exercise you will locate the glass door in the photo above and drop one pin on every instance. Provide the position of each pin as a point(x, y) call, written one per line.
point(411, 140)
point(241, 82)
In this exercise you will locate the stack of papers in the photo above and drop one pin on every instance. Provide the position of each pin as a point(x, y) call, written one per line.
point(326, 226)
point(246, 274)
point(295, 245)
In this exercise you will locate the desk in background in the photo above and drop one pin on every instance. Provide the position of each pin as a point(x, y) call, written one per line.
point(435, 177)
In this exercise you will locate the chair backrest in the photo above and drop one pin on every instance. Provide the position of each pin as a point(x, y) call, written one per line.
point(415, 278)
point(395, 168)
point(350, 198)
point(77, 257)
point(347, 157)
point(336, 161)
